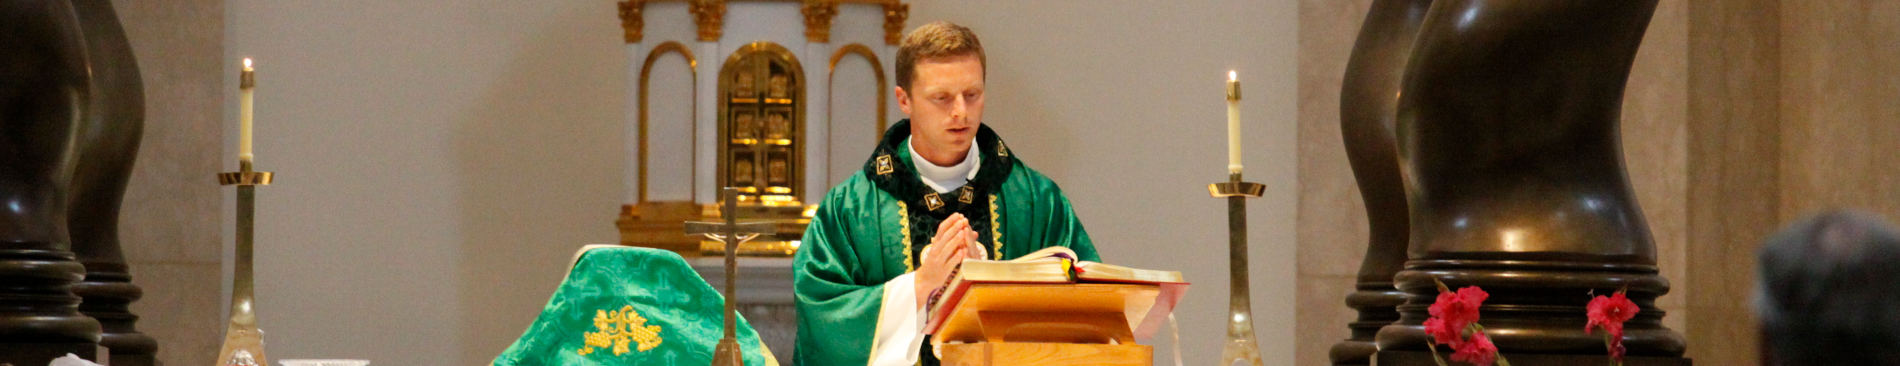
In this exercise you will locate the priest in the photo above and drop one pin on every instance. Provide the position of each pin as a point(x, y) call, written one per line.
point(940, 187)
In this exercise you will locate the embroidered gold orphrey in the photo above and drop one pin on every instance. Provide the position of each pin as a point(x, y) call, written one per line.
point(903, 230)
point(618, 328)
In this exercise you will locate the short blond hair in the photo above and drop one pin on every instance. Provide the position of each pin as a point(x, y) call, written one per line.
point(936, 40)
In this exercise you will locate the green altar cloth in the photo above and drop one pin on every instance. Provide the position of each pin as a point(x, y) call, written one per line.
point(631, 306)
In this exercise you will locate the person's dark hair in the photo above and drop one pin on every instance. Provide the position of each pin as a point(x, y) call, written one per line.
point(1830, 292)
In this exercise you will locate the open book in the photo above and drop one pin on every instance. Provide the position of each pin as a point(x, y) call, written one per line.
point(1054, 265)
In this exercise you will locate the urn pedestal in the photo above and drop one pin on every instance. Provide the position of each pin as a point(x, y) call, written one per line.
point(107, 145)
point(1368, 110)
point(44, 92)
point(1508, 137)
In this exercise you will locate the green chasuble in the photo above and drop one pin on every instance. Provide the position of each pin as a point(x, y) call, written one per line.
point(874, 226)
point(631, 306)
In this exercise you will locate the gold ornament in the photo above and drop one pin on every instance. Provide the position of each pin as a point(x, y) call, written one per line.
point(618, 330)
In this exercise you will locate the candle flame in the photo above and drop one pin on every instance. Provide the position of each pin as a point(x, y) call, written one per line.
point(247, 64)
point(1231, 76)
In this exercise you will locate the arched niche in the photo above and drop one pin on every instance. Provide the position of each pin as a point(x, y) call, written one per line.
point(857, 112)
point(678, 111)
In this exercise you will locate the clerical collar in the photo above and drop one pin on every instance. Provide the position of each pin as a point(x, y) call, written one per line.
point(945, 178)
point(891, 171)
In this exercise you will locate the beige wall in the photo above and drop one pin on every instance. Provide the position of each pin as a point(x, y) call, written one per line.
point(1732, 171)
point(1740, 115)
point(438, 163)
point(1332, 227)
point(1840, 63)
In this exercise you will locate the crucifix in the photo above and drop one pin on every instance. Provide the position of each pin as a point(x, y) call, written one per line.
point(731, 232)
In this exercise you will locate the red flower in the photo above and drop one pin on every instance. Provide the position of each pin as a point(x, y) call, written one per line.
point(1475, 295)
point(1609, 313)
point(1479, 351)
point(1453, 313)
point(1443, 333)
point(1459, 308)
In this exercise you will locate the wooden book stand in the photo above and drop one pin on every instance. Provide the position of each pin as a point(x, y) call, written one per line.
point(1047, 324)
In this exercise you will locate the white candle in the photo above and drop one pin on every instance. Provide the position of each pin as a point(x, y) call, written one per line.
point(247, 83)
point(1233, 123)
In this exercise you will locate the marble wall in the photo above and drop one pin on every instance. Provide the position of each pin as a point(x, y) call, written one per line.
point(1840, 76)
point(1733, 177)
point(169, 223)
point(1739, 116)
point(1332, 222)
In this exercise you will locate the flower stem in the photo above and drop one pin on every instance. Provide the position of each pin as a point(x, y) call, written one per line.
point(1608, 345)
point(1434, 348)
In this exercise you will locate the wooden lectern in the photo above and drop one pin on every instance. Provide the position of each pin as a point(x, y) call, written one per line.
point(1054, 324)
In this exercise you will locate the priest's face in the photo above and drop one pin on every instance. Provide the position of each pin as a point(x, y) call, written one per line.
point(945, 104)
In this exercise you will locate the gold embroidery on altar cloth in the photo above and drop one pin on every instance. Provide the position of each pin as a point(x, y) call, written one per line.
point(618, 329)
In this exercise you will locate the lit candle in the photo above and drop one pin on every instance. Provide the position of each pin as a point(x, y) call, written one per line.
point(247, 83)
point(1233, 123)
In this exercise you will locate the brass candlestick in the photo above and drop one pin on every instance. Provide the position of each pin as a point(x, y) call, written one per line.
point(1240, 345)
point(243, 342)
